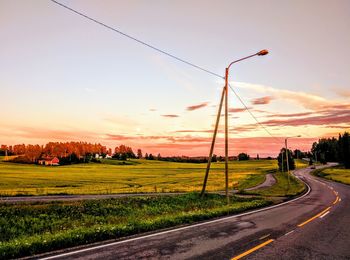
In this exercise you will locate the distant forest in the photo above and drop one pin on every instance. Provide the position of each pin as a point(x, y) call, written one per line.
point(67, 152)
point(325, 150)
point(333, 150)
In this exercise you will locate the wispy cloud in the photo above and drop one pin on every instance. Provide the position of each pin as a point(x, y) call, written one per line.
point(198, 145)
point(238, 110)
point(291, 115)
point(49, 134)
point(170, 115)
point(331, 117)
point(262, 101)
point(195, 107)
point(304, 99)
point(343, 92)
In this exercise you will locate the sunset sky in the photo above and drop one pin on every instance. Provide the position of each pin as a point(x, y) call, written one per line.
point(65, 78)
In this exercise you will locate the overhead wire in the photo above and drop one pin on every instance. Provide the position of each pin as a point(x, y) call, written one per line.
point(137, 40)
point(165, 53)
point(252, 115)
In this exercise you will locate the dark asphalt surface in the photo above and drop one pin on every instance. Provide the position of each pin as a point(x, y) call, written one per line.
point(269, 181)
point(322, 238)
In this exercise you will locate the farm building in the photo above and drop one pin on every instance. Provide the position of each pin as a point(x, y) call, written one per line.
point(49, 161)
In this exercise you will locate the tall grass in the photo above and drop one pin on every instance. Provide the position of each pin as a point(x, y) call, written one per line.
point(282, 187)
point(338, 174)
point(27, 229)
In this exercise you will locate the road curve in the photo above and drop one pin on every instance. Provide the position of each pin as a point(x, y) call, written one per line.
point(269, 181)
point(315, 226)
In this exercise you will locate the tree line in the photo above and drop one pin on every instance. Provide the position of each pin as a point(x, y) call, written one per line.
point(83, 152)
point(333, 150)
point(67, 152)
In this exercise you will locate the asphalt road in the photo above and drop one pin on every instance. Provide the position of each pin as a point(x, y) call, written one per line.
point(315, 226)
point(269, 181)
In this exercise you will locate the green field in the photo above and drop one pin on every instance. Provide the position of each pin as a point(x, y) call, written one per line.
point(281, 187)
point(31, 228)
point(335, 174)
point(135, 176)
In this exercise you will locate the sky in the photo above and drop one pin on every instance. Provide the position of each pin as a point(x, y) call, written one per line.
point(65, 78)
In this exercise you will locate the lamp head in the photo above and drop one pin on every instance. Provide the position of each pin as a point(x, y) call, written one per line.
point(262, 52)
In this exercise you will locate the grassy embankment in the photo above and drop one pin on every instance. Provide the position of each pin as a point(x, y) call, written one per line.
point(136, 176)
point(338, 174)
point(27, 229)
point(281, 187)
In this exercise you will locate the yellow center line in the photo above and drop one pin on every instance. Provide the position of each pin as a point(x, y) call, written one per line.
point(316, 216)
point(252, 250)
point(336, 200)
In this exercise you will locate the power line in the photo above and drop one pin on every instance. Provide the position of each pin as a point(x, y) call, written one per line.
point(165, 53)
point(253, 116)
point(137, 40)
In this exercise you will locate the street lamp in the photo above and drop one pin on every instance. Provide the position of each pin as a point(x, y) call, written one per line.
point(224, 95)
point(287, 157)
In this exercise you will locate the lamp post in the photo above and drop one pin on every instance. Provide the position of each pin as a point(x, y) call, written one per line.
point(287, 157)
point(224, 94)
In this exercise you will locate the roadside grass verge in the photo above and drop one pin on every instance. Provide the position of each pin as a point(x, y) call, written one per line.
point(338, 174)
point(31, 228)
point(299, 163)
point(253, 180)
point(281, 187)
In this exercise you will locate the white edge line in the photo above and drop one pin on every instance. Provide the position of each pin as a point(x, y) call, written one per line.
point(286, 234)
point(178, 229)
point(324, 214)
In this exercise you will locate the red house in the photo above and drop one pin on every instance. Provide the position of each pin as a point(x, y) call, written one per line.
point(49, 161)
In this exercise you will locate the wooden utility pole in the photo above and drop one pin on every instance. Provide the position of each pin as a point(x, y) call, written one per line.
point(213, 143)
point(287, 160)
point(224, 94)
point(226, 136)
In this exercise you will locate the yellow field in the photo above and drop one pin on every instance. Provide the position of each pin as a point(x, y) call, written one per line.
point(337, 174)
point(141, 176)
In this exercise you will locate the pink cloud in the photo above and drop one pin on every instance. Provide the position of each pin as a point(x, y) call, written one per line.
point(262, 101)
point(343, 92)
point(193, 131)
point(291, 115)
point(237, 110)
point(170, 116)
point(51, 134)
point(327, 118)
point(195, 107)
point(199, 146)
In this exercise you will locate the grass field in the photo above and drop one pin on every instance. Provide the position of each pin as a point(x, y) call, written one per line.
point(335, 174)
point(31, 228)
point(281, 188)
point(136, 176)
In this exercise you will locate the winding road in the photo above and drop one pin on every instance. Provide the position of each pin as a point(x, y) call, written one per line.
point(269, 181)
point(313, 226)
